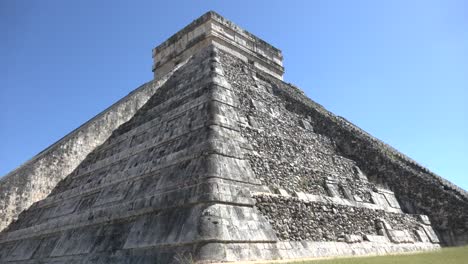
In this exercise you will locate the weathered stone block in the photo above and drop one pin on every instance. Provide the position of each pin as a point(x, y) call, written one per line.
point(400, 236)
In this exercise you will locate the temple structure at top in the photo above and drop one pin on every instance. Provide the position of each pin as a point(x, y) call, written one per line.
point(213, 29)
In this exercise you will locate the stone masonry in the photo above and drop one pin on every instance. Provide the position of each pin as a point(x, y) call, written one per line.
point(219, 160)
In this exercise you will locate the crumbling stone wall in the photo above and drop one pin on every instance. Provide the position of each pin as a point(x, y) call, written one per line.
point(297, 220)
point(288, 153)
point(418, 190)
point(299, 145)
point(328, 145)
point(36, 178)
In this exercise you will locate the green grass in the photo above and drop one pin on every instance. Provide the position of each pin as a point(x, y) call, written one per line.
point(456, 255)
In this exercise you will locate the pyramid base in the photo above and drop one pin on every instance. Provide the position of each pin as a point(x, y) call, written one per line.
point(219, 252)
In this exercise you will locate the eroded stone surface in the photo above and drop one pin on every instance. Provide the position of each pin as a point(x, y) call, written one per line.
point(336, 153)
point(294, 219)
point(223, 162)
point(35, 179)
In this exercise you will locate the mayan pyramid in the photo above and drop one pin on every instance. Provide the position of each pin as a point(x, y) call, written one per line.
point(217, 159)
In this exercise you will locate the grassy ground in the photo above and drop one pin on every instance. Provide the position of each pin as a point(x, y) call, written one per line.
point(458, 255)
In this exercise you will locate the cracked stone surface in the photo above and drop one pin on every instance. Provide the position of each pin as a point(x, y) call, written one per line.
point(220, 160)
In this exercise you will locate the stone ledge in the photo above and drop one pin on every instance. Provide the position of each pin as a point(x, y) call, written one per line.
point(284, 252)
point(307, 197)
point(211, 28)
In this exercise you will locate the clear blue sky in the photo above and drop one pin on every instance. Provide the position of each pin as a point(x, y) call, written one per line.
point(397, 69)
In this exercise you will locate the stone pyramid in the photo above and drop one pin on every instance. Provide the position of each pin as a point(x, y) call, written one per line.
point(217, 159)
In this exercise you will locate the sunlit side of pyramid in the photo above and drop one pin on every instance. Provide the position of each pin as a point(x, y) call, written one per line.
point(217, 159)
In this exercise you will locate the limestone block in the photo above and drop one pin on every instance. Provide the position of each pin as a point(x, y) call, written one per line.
point(424, 219)
point(357, 198)
point(359, 174)
point(306, 125)
point(76, 241)
point(347, 193)
point(23, 250)
point(199, 223)
point(326, 249)
point(384, 224)
point(353, 238)
point(67, 207)
point(283, 192)
point(400, 236)
point(313, 198)
point(252, 122)
point(258, 105)
point(87, 202)
point(391, 200)
point(332, 190)
point(374, 238)
point(379, 199)
point(421, 235)
point(229, 168)
point(431, 234)
point(301, 196)
point(46, 246)
point(115, 193)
